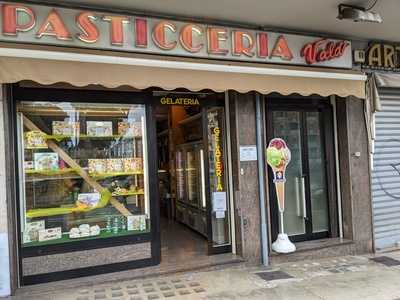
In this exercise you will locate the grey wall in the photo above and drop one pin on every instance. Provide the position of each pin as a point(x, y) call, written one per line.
point(4, 250)
point(355, 174)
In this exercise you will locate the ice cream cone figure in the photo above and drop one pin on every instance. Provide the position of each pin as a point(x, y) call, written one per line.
point(278, 157)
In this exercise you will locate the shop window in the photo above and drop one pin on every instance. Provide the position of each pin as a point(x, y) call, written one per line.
point(83, 171)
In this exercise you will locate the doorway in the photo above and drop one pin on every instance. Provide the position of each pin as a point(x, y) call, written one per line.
point(310, 200)
point(193, 197)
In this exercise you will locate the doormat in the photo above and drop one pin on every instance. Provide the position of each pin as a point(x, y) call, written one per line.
point(274, 275)
point(387, 261)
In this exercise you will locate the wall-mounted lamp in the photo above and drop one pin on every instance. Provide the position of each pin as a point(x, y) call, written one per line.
point(358, 14)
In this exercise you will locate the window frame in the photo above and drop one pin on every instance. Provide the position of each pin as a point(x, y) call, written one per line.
point(90, 96)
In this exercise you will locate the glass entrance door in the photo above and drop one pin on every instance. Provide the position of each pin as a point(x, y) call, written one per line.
point(307, 197)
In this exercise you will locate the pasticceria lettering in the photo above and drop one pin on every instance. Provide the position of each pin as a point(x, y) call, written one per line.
point(218, 159)
point(179, 101)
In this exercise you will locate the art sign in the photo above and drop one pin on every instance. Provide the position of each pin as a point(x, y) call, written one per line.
point(37, 24)
point(379, 56)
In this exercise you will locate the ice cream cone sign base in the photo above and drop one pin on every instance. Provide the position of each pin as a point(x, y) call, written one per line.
point(278, 157)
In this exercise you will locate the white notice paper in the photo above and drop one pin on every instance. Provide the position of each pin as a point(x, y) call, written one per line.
point(219, 201)
point(4, 266)
point(248, 153)
point(220, 214)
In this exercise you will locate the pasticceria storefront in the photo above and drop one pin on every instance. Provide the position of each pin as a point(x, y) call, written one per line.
point(130, 141)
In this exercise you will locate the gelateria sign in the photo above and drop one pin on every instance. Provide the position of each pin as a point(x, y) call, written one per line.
point(36, 24)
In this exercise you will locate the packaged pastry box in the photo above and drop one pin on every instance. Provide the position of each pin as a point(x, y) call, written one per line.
point(97, 166)
point(31, 232)
point(66, 128)
point(35, 139)
point(115, 165)
point(133, 164)
point(46, 161)
point(99, 128)
point(50, 234)
point(130, 128)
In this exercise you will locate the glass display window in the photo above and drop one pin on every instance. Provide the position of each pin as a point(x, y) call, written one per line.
point(83, 171)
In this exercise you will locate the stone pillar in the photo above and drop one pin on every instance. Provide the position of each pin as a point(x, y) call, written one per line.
point(245, 178)
point(4, 249)
point(355, 174)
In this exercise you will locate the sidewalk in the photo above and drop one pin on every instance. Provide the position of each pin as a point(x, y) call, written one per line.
point(351, 277)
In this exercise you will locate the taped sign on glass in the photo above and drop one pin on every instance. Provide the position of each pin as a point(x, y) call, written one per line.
point(219, 204)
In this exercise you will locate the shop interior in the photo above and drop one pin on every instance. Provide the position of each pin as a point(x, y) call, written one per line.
point(181, 172)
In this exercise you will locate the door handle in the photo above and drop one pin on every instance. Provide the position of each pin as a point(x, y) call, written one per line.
point(297, 186)
point(303, 196)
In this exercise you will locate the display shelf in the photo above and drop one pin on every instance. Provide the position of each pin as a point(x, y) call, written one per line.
point(113, 174)
point(104, 234)
point(84, 136)
point(57, 174)
point(50, 172)
point(129, 193)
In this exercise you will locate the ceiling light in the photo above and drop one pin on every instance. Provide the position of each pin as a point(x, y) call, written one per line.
point(358, 14)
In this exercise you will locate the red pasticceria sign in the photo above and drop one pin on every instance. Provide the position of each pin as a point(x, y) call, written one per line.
point(38, 24)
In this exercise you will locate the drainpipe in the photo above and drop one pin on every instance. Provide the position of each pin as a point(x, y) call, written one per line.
point(261, 182)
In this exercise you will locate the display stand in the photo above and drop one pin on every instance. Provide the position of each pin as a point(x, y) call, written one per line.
point(106, 194)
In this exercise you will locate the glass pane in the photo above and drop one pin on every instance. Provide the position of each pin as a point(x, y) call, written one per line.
point(84, 171)
point(318, 188)
point(180, 175)
point(218, 183)
point(286, 125)
point(193, 175)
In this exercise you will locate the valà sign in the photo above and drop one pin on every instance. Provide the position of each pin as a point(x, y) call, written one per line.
point(89, 29)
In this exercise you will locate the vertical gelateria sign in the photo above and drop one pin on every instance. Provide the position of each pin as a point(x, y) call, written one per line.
point(218, 159)
point(38, 24)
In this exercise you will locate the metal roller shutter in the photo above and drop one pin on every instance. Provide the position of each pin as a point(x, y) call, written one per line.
point(386, 172)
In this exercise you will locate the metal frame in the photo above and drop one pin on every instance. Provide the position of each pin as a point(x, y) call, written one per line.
point(313, 104)
point(91, 96)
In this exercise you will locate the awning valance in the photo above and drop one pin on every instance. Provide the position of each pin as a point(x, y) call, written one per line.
point(81, 69)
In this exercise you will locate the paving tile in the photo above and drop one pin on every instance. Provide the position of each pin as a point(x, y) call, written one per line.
point(101, 290)
point(100, 296)
point(199, 290)
point(169, 294)
point(116, 288)
point(165, 288)
point(136, 298)
point(117, 294)
point(193, 284)
point(150, 290)
point(131, 286)
point(147, 284)
point(184, 292)
point(82, 298)
point(133, 292)
point(179, 286)
point(152, 297)
point(176, 280)
point(161, 282)
point(83, 292)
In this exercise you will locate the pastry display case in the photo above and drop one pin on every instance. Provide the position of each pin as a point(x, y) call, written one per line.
point(190, 178)
point(84, 171)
